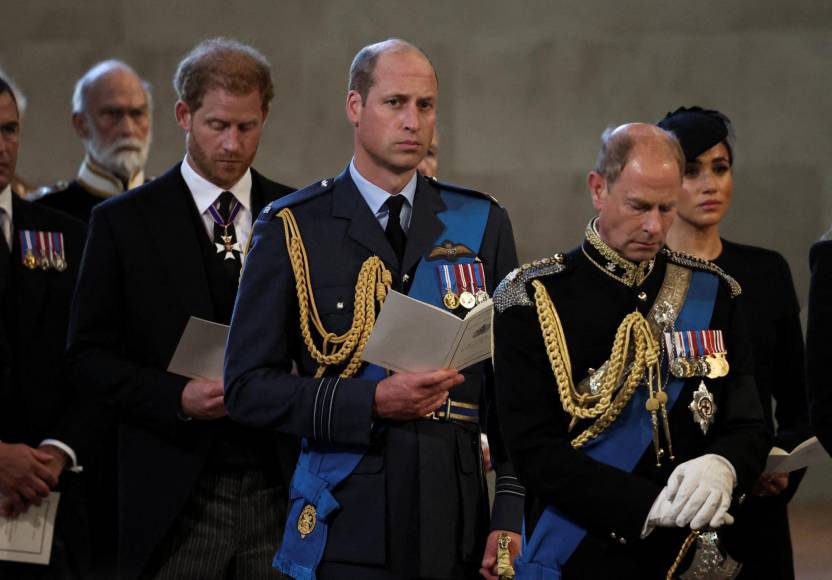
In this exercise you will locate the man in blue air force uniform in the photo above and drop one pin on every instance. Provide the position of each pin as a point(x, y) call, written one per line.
point(624, 384)
point(389, 483)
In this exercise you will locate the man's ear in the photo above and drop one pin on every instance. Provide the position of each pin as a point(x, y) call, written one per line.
point(354, 106)
point(183, 115)
point(597, 187)
point(79, 123)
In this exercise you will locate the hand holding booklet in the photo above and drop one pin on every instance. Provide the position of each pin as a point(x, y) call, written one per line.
point(810, 452)
point(411, 336)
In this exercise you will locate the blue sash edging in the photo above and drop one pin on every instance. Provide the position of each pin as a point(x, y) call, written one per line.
point(555, 537)
point(322, 466)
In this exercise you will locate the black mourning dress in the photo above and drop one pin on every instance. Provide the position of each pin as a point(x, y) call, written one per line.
point(770, 299)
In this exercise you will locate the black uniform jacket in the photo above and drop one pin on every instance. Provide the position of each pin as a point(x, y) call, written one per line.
point(610, 504)
point(34, 392)
point(416, 503)
point(37, 401)
point(819, 341)
point(144, 275)
point(74, 199)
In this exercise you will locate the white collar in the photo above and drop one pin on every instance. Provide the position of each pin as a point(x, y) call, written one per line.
point(103, 183)
point(6, 200)
point(206, 193)
point(376, 196)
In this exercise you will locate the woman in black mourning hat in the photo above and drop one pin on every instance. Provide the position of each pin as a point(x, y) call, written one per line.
point(760, 536)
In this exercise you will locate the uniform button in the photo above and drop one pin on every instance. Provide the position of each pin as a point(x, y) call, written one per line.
point(642, 296)
point(613, 536)
point(622, 541)
point(406, 278)
point(339, 305)
point(741, 500)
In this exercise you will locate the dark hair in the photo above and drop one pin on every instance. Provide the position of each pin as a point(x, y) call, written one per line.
point(364, 64)
point(5, 87)
point(616, 148)
point(223, 63)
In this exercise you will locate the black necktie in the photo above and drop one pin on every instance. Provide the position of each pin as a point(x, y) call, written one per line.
point(225, 237)
point(394, 232)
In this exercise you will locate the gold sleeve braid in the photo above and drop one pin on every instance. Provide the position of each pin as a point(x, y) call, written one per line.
point(371, 287)
point(633, 334)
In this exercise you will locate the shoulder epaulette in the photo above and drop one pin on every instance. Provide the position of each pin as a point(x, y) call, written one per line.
point(459, 189)
point(47, 190)
point(696, 263)
point(512, 290)
point(295, 198)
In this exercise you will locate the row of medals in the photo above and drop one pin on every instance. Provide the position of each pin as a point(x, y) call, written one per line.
point(466, 299)
point(44, 262)
point(712, 366)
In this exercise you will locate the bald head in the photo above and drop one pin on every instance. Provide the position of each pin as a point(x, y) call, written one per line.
point(105, 73)
point(635, 186)
point(618, 143)
point(364, 64)
point(111, 109)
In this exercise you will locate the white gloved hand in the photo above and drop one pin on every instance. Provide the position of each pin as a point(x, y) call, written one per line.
point(660, 505)
point(698, 494)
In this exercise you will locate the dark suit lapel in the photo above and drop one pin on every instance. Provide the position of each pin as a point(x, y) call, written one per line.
point(168, 213)
point(258, 196)
point(425, 227)
point(30, 286)
point(364, 227)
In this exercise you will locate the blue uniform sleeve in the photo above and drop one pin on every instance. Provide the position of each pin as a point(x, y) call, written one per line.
point(261, 388)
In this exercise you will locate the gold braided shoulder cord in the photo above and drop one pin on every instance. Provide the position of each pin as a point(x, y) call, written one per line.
point(633, 334)
point(371, 287)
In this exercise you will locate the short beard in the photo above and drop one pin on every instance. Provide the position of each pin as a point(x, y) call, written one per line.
point(123, 164)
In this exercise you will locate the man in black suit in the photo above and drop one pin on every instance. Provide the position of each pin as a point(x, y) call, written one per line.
point(112, 114)
point(390, 482)
point(200, 497)
point(40, 252)
point(818, 341)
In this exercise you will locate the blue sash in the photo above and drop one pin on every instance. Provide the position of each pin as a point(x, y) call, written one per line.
point(555, 537)
point(322, 466)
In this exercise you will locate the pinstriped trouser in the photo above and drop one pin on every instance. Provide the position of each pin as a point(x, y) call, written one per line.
point(229, 529)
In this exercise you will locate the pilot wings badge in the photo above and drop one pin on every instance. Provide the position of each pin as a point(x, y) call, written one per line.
point(450, 251)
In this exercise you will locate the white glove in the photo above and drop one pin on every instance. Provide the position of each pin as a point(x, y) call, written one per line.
point(698, 493)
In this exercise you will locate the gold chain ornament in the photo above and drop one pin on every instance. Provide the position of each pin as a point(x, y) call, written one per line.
point(633, 335)
point(371, 287)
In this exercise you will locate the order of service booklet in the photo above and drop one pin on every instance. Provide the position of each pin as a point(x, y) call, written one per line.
point(28, 537)
point(411, 336)
point(201, 350)
point(810, 452)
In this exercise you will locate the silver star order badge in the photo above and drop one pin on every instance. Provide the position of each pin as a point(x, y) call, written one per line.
point(229, 246)
point(703, 407)
point(665, 314)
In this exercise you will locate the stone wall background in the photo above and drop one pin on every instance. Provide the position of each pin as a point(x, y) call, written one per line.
point(526, 89)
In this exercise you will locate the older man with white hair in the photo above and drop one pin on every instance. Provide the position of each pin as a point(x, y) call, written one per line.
point(111, 112)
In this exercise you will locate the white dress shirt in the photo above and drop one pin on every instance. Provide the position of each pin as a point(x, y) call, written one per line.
point(6, 214)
